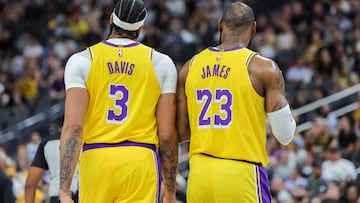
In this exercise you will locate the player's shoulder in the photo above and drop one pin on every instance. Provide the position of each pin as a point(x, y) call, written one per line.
point(79, 56)
point(162, 60)
point(161, 56)
point(263, 64)
point(260, 60)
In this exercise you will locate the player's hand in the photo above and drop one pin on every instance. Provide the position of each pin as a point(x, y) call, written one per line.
point(169, 198)
point(64, 198)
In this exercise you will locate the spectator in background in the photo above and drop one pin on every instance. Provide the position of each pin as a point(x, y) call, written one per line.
point(325, 116)
point(317, 185)
point(296, 180)
point(32, 146)
point(297, 152)
point(6, 184)
point(285, 165)
point(336, 169)
point(298, 73)
point(26, 88)
point(278, 191)
point(332, 195)
point(57, 85)
point(300, 195)
point(345, 137)
point(350, 194)
point(355, 157)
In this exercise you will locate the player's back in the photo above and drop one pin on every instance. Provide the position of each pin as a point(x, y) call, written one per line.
point(227, 116)
point(123, 91)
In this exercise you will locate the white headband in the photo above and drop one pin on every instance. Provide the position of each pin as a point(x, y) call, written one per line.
point(127, 26)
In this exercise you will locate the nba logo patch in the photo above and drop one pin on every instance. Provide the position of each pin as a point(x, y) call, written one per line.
point(218, 57)
point(120, 53)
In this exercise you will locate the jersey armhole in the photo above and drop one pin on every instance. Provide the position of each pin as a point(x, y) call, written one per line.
point(249, 58)
point(151, 54)
point(90, 53)
point(192, 60)
point(247, 63)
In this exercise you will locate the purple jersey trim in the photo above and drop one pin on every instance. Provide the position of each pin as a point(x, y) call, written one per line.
point(125, 46)
point(121, 144)
point(131, 44)
point(229, 49)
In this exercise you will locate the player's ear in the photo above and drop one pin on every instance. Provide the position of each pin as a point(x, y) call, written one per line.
point(140, 29)
point(111, 19)
point(253, 29)
point(220, 25)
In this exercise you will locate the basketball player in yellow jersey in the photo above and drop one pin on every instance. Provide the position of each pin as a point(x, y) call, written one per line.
point(120, 113)
point(224, 95)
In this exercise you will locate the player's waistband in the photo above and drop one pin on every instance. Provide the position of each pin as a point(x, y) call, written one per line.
point(121, 144)
point(246, 161)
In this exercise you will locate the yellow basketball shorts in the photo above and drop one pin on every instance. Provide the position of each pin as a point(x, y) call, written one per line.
point(125, 172)
point(216, 180)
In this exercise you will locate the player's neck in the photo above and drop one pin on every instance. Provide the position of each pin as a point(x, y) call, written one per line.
point(116, 35)
point(232, 41)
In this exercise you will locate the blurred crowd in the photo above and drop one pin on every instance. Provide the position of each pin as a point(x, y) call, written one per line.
point(315, 43)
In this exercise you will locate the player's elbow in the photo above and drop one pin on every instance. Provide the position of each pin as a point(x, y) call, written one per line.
point(286, 139)
point(285, 134)
point(282, 125)
point(30, 186)
point(168, 137)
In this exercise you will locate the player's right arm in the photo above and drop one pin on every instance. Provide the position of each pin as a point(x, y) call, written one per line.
point(182, 117)
point(269, 82)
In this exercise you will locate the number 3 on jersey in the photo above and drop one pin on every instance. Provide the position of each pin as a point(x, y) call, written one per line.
point(119, 113)
point(220, 118)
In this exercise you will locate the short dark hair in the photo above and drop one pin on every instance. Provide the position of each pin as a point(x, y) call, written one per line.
point(129, 11)
point(238, 16)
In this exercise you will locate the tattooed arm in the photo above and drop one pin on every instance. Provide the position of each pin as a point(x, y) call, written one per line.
point(71, 136)
point(168, 144)
point(268, 81)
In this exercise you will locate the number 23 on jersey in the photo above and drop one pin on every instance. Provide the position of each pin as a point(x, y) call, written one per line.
point(216, 108)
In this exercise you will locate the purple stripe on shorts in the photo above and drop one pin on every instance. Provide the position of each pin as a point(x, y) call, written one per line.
point(121, 144)
point(264, 185)
point(230, 49)
point(159, 176)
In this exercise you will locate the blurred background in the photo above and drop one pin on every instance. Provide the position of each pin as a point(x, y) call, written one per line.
point(315, 42)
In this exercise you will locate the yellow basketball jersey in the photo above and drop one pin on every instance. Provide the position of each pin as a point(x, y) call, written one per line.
point(227, 116)
point(124, 92)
